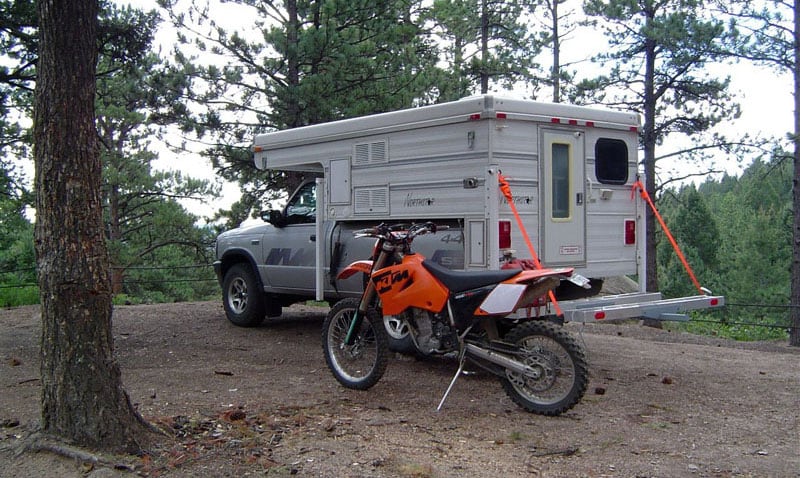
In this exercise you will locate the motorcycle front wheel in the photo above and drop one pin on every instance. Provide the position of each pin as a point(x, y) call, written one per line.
point(558, 369)
point(362, 363)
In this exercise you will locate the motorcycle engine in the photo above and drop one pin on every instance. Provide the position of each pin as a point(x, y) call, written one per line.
point(431, 334)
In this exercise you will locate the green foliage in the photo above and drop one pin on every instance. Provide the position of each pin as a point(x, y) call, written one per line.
point(137, 94)
point(483, 42)
point(304, 62)
point(695, 229)
point(736, 234)
point(17, 270)
point(300, 63)
point(657, 64)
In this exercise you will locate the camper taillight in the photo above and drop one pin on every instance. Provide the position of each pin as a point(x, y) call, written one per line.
point(505, 234)
point(630, 232)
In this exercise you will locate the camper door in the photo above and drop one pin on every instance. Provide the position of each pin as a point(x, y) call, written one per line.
point(562, 187)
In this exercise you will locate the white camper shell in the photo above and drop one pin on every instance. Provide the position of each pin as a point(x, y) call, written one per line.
point(570, 169)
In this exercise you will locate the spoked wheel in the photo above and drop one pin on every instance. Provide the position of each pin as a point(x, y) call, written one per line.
point(361, 364)
point(558, 370)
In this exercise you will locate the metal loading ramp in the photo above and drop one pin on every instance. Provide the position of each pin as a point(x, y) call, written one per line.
point(645, 305)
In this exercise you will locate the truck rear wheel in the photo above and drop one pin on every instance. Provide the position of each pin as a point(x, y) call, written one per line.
point(244, 301)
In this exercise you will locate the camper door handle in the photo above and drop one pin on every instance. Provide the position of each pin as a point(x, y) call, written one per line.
point(313, 238)
point(579, 199)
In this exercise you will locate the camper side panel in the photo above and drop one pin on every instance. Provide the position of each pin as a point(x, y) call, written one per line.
point(414, 173)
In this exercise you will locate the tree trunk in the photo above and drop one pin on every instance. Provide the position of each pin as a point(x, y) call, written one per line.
point(794, 336)
point(649, 144)
point(293, 66)
point(484, 73)
point(556, 70)
point(83, 400)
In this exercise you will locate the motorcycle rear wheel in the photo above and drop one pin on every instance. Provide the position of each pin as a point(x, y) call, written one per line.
point(559, 373)
point(360, 365)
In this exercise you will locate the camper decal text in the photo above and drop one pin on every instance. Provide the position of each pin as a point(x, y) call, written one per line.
point(418, 202)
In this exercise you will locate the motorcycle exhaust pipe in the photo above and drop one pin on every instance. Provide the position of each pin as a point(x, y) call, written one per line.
point(499, 359)
point(490, 356)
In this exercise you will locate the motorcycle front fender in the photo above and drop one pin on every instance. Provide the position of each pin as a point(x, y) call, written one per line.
point(364, 267)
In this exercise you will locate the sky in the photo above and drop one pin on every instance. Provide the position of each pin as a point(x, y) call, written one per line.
point(765, 97)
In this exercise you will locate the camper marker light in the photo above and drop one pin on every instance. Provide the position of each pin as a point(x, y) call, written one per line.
point(714, 302)
point(258, 149)
point(630, 232)
point(505, 234)
point(599, 315)
point(474, 116)
point(501, 116)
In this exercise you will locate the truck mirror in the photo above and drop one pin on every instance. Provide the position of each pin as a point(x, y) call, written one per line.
point(274, 217)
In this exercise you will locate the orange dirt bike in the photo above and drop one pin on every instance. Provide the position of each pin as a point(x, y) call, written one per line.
point(540, 365)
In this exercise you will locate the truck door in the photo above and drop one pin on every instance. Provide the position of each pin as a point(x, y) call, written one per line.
point(290, 253)
point(562, 188)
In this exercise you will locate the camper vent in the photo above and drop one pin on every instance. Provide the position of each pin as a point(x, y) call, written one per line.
point(371, 200)
point(370, 153)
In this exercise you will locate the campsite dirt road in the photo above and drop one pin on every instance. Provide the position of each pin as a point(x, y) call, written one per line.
point(255, 402)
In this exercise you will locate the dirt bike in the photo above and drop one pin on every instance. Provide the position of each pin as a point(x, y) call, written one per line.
point(541, 366)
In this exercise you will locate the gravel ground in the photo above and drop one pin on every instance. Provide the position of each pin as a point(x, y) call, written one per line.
point(261, 402)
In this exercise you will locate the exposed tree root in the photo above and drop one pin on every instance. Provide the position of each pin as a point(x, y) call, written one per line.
point(35, 441)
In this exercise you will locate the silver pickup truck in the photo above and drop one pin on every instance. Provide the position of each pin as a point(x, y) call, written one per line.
point(267, 266)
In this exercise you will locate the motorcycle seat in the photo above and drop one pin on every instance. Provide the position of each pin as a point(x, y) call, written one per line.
point(459, 281)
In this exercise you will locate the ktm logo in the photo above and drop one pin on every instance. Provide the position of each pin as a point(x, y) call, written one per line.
point(385, 281)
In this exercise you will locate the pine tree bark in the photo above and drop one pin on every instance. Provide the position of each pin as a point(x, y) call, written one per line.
point(83, 401)
point(794, 335)
point(649, 138)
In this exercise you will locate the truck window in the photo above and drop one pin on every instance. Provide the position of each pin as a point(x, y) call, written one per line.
point(302, 208)
point(611, 161)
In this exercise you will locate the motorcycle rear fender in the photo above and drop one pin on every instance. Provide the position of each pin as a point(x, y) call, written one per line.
point(356, 267)
point(528, 276)
point(521, 290)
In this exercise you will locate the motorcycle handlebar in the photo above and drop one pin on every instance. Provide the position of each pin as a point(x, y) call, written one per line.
point(386, 231)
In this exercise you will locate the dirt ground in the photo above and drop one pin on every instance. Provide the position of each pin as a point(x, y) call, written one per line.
point(261, 402)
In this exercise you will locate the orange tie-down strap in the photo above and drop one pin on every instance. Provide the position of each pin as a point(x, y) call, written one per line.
point(506, 190)
point(643, 193)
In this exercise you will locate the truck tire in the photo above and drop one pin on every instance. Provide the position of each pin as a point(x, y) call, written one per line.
point(399, 336)
point(243, 299)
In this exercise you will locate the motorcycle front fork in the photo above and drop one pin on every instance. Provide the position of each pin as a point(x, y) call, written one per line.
point(367, 298)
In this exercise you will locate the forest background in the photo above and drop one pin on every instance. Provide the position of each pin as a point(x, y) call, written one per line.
point(191, 77)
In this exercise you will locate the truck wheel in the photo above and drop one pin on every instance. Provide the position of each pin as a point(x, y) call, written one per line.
point(399, 336)
point(242, 298)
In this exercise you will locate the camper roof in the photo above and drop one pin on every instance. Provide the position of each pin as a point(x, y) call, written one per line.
point(471, 108)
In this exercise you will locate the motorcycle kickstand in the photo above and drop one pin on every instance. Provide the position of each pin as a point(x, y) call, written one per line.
point(462, 360)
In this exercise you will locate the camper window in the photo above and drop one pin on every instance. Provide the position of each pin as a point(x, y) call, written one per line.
point(611, 161)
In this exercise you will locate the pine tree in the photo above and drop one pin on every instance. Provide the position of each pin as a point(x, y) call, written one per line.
point(656, 64)
point(83, 400)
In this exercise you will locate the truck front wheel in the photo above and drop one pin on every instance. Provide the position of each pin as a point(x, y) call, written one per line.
point(242, 298)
